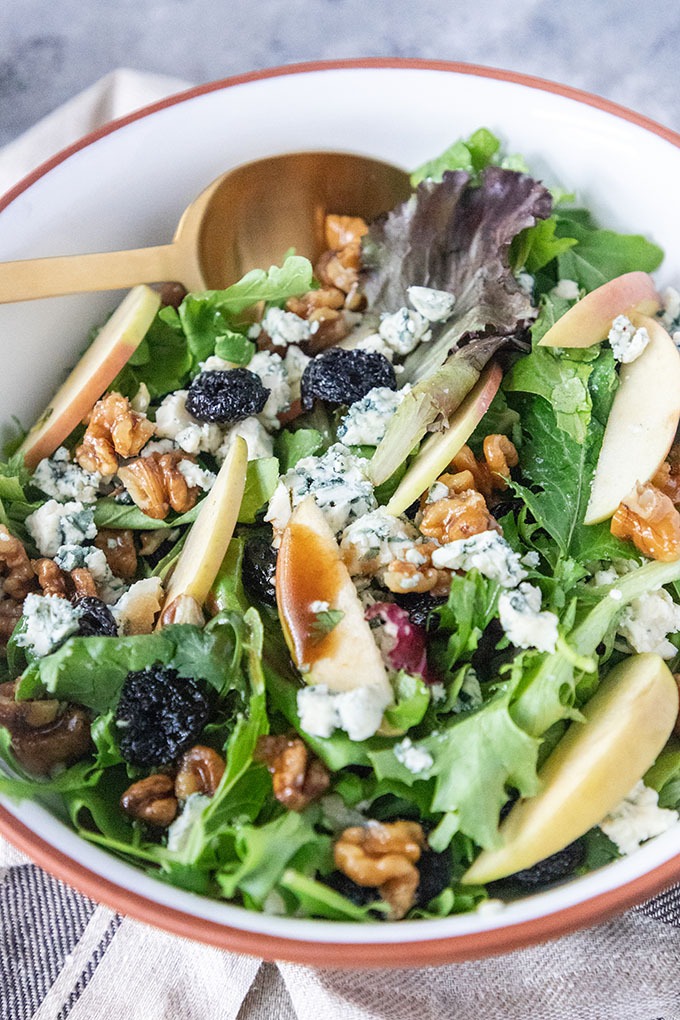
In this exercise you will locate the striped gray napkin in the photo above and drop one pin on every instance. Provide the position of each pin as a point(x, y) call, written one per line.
point(62, 956)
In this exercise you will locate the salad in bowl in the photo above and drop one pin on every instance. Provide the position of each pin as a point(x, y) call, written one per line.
point(352, 591)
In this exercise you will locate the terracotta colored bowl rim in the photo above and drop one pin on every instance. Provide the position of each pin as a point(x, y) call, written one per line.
point(467, 946)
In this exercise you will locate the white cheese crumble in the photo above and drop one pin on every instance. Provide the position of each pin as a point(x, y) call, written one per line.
point(415, 759)
point(179, 831)
point(71, 557)
point(159, 446)
point(195, 476)
point(56, 476)
point(296, 362)
point(216, 364)
point(141, 400)
point(358, 712)
point(338, 483)
point(373, 541)
point(626, 341)
point(49, 621)
point(272, 371)
point(403, 330)
point(523, 622)
point(433, 305)
point(136, 609)
point(173, 421)
point(55, 524)
point(436, 492)
point(647, 622)
point(374, 342)
point(568, 290)
point(259, 442)
point(531, 559)
point(285, 328)
point(366, 421)
point(637, 818)
point(487, 552)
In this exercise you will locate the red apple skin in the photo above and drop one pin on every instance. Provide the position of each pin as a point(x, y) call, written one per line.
point(117, 341)
point(588, 321)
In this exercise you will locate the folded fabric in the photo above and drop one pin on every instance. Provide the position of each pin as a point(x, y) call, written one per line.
point(63, 956)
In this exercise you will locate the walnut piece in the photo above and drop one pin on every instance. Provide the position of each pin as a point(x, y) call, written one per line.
point(16, 566)
point(650, 520)
point(83, 583)
point(458, 516)
point(383, 855)
point(51, 578)
point(44, 736)
point(151, 800)
point(114, 430)
point(416, 574)
point(298, 777)
point(200, 771)
point(118, 545)
point(490, 474)
point(156, 484)
point(10, 614)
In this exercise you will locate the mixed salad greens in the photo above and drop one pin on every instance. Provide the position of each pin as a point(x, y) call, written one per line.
point(302, 611)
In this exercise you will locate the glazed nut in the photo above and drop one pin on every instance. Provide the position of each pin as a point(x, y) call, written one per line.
point(51, 578)
point(383, 855)
point(10, 614)
point(15, 565)
point(340, 268)
point(156, 484)
point(200, 771)
point(114, 430)
point(343, 230)
point(62, 740)
point(417, 573)
point(500, 455)
point(323, 297)
point(83, 583)
point(458, 516)
point(151, 800)
point(650, 520)
point(298, 777)
point(118, 545)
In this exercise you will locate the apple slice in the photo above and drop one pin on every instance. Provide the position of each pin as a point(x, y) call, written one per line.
point(310, 569)
point(595, 765)
point(439, 449)
point(590, 319)
point(115, 343)
point(211, 532)
point(642, 422)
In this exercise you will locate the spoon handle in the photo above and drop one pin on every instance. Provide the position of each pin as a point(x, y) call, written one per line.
point(28, 279)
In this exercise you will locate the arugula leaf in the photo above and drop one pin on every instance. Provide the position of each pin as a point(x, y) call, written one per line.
point(471, 155)
point(262, 476)
point(325, 621)
point(601, 255)
point(471, 605)
point(162, 361)
point(537, 246)
point(562, 382)
point(234, 347)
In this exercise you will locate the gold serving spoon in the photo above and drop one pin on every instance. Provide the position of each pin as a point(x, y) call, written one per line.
point(247, 218)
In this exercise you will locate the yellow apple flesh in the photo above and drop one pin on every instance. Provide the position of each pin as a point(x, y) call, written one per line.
point(595, 765)
point(211, 532)
point(642, 422)
point(310, 569)
point(588, 321)
point(115, 343)
point(438, 450)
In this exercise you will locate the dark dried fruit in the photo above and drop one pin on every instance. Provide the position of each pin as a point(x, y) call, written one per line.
point(435, 875)
point(359, 895)
point(553, 868)
point(258, 571)
point(159, 715)
point(342, 377)
point(226, 396)
point(95, 618)
point(419, 606)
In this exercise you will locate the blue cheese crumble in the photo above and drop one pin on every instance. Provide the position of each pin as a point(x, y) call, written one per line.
point(433, 305)
point(627, 341)
point(72, 557)
point(403, 330)
point(259, 442)
point(285, 328)
point(416, 759)
point(55, 524)
point(271, 369)
point(648, 621)
point(195, 476)
point(487, 552)
point(366, 421)
point(48, 620)
point(338, 482)
point(523, 622)
point(56, 476)
point(637, 818)
point(374, 541)
point(173, 421)
point(358, 712)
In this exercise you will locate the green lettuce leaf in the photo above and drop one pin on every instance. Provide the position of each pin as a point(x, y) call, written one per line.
point(601, 255)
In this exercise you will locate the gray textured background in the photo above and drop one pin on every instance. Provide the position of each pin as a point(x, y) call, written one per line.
point(625, 50)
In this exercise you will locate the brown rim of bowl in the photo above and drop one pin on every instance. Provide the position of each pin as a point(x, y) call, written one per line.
point(349, 955)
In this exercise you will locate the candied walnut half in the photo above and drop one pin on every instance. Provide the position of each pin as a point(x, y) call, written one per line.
point(650, 520)
point(491, 474)
point(151, 800)
point(413, 572)
point(118, 545)
point(156, 484)
point(65, 585)
point(44, 734)
point(200, 771)
point(383, 855)
point(298, 777)
point(16, 566)
point(113, 430)
point(458, 516)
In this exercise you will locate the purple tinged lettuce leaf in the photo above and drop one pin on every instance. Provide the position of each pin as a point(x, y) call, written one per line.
point(456, 236)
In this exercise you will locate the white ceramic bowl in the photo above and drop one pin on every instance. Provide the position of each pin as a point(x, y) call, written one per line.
point(126, 186)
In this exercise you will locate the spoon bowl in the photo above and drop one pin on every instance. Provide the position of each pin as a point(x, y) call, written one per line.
point(248, 217)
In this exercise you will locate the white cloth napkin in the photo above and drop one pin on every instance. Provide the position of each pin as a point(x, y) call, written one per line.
point(62, 956)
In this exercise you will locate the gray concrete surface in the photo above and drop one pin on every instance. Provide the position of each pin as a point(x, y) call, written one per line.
point(625, 50)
